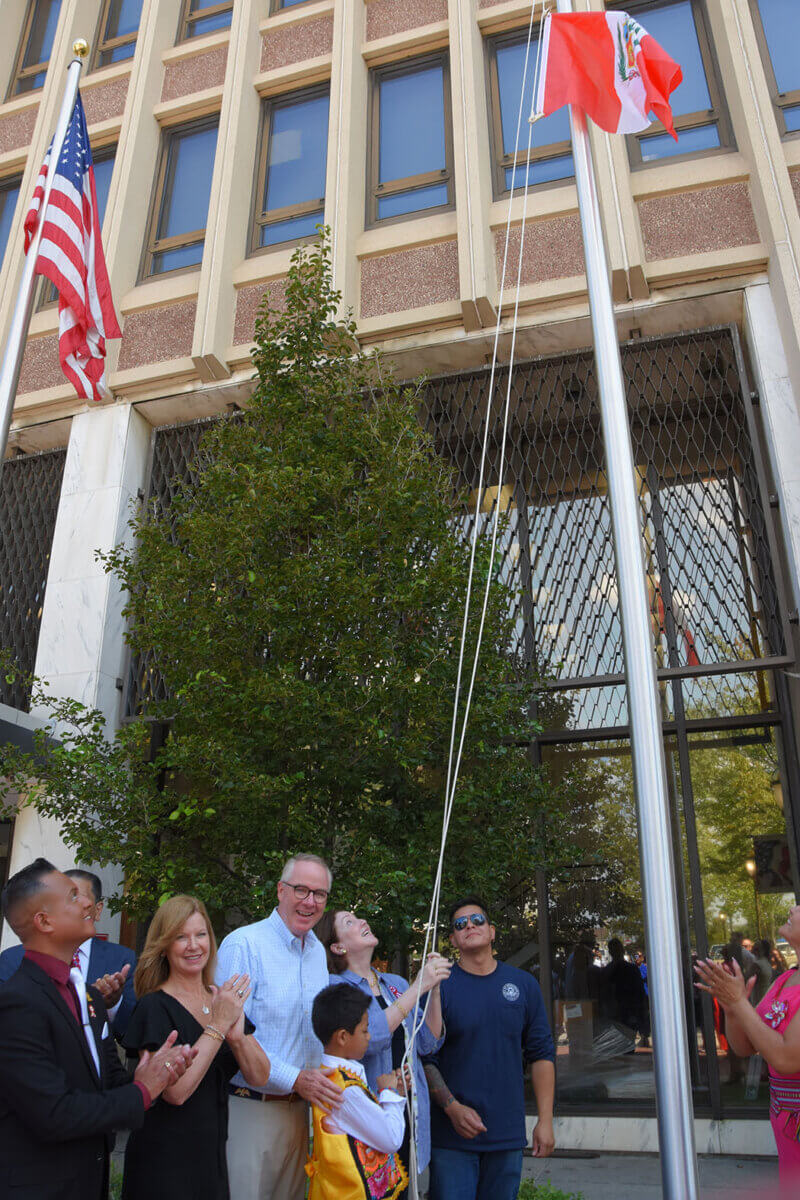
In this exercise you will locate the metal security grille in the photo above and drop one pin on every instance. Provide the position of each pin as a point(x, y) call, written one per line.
point(714, 597)
point(30, 487)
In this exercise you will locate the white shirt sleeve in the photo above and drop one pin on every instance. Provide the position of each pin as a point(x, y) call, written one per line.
point(380, 1126)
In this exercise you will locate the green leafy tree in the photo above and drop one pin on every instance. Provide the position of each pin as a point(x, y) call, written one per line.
point(303, 599)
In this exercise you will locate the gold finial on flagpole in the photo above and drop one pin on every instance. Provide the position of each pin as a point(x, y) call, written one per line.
point(80, 47)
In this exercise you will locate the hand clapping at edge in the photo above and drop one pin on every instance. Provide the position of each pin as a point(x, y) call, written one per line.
point(161, 1068)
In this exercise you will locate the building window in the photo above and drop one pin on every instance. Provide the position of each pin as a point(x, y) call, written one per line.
point(410, 164)
point(204, 16)
point(279, 5)
point(103, 161)
point(117, 31)
point(35, 46)
point(551, 153)
point(291, 179)
point(9, 194)
point(777, 25)
point(698, 107)
point(180, 200)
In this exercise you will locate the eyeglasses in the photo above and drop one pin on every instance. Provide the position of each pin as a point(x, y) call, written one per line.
point(476, 919)
point(302, 892)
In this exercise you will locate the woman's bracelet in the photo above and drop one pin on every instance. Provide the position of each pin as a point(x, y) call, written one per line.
point(213, 1032)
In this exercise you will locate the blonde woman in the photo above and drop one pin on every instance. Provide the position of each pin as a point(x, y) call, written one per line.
point(179, 1154)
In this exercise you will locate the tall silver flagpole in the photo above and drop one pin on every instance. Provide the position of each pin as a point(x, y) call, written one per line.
point(665, 974)
point(18, 332)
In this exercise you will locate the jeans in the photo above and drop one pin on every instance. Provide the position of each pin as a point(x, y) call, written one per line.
point(475, 1175)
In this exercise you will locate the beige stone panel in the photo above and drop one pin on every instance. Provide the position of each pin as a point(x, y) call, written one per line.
point(129, 197)
point(551, 249)
point(186, 76)
point(414, 278)
point(473, 166)
point(231, 200)
point(12, 16)
point(385, 17)
point(296, 43)
point(105, 101)
point(16, 127)
point(757, 136)
point(41, 367)
point(698, 221)
point(248, 302)
point(345, 179)
point(157, 335)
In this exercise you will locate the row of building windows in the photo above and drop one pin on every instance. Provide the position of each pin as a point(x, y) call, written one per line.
point(117, 31)
point(410, 151)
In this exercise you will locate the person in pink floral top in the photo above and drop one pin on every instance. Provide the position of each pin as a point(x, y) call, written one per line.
point(773, 1031)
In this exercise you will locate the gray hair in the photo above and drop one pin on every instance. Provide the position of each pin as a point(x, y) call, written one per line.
point(300, 858)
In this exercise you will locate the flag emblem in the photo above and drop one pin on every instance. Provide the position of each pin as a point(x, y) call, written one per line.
point(71, 256)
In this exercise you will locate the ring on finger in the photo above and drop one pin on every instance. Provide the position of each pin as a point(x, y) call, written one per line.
point(168, 1065)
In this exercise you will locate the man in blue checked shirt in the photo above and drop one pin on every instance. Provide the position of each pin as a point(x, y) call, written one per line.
point(268, 1128)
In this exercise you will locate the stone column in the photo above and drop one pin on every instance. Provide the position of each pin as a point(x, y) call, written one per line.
point(81, 653)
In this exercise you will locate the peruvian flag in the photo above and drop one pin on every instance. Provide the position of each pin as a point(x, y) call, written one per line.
point(609, 66)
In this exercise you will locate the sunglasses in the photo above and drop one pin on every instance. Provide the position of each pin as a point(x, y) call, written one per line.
point(476, 919)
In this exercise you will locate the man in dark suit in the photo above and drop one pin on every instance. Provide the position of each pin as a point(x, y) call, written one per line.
point(63, 1090)
point(97, 958)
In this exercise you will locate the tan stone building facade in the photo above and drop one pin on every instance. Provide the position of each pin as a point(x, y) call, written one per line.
point(215, 126)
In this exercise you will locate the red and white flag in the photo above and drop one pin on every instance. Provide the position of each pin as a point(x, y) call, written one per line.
point(608, 65)
point(71, 256)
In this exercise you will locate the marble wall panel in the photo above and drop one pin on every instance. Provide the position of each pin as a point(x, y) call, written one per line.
point(553, 249)
point(287, 44)
point(16, 128)
point(248, 302)
point(106, 100)
point(41, 367)
point(195, 74)
point(699, 221)
point(385, 17)
point(157, 334)
point(411, 278)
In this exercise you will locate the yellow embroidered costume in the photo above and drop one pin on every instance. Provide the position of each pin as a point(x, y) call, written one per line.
point(343, 1168)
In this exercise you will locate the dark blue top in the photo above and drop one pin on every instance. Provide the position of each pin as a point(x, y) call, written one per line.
point(493, 1024)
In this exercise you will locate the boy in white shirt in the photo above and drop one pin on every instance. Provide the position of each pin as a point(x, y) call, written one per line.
point(354, 1147)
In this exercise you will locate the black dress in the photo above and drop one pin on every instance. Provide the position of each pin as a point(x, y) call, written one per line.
point(179, 1153)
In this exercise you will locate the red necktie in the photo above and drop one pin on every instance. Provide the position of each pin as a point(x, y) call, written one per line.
point(76, 961)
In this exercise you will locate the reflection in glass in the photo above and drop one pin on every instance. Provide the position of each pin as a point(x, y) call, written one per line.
point(197, 24)
point(547, 131)
point(8, 203)
point(296, 165)
point(412, 138)
point(663, 145)
point(122, 22)
point(40, 43)
point(781, 28)
point(184, 204)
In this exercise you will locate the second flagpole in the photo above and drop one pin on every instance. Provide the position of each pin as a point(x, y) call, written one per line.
point(18, 331)
point(665, 975)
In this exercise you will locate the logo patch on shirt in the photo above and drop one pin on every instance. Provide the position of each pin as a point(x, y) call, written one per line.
point(511, 991)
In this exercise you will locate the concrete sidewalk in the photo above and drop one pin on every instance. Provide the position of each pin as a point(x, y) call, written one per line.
point(617, 1176)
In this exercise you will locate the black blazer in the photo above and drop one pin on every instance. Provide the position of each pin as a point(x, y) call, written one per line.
point(57, 1117)
point(105, 958)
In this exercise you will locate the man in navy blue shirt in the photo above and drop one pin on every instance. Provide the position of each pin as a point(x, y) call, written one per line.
point(494, 1019)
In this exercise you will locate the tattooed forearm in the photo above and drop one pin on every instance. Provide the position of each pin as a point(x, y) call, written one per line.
point(437, 1087)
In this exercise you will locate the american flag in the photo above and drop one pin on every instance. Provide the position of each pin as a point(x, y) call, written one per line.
point(71, 256)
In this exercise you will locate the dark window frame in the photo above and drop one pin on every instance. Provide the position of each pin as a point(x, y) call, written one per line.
point(104, 45)
point(278, 6)
point(717, 115)
point(377, 191)
point(189, 18)
point(502, 162)
point(21, 72)
point(780, 100)
point(162, 193)
point(7, 184)
point(258, 214)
